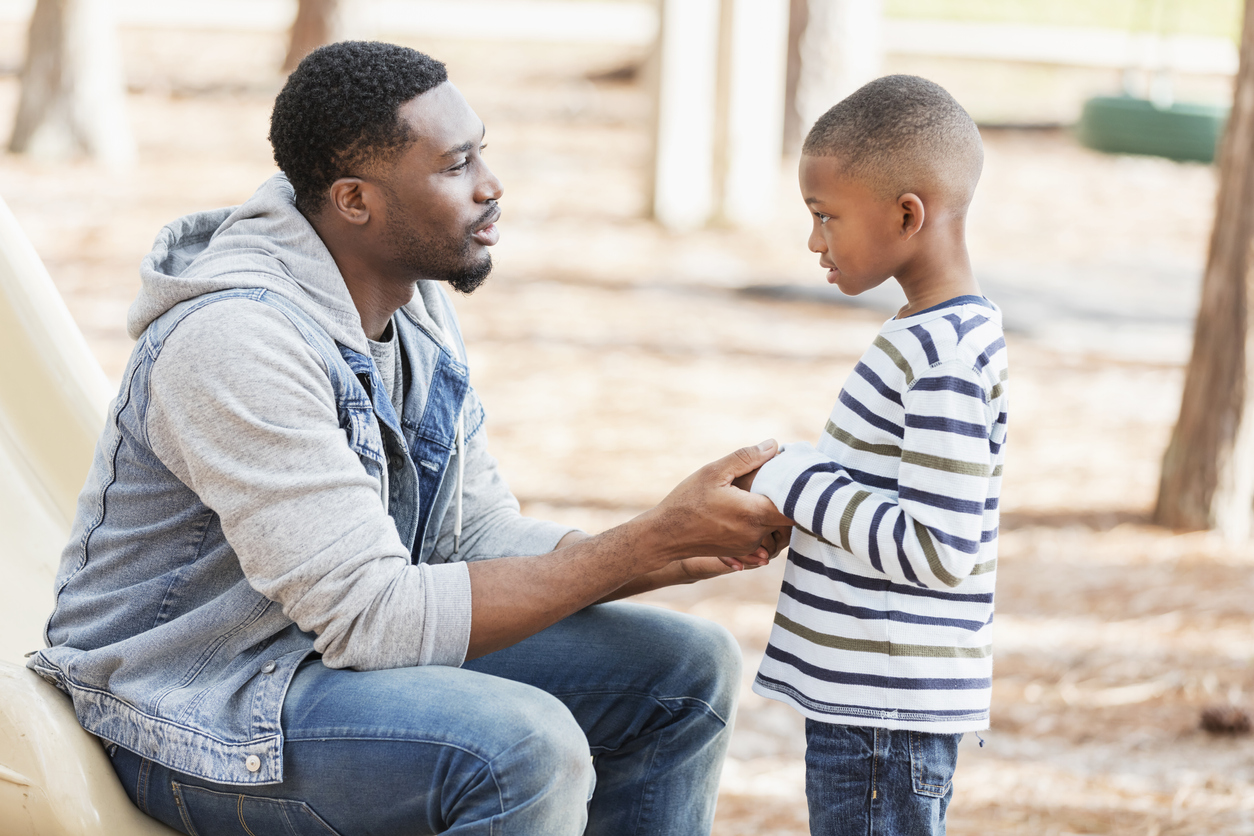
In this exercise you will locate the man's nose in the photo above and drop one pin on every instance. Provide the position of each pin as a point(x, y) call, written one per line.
point(489, 187)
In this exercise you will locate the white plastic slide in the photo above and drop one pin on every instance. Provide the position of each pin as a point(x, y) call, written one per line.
point(55, 778)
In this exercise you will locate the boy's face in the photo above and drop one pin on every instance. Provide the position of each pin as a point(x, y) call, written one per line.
point(856, 233)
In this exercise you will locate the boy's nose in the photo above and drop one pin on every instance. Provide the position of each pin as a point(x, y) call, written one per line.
point(816, 242)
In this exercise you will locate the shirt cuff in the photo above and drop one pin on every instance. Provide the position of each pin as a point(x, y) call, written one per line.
point(446, 617)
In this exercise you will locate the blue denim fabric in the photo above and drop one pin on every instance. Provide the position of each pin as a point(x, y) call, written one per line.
point(500, 746)
point(863, 781)
point(169, 651)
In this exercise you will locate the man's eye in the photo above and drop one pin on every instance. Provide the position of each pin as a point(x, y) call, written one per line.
point(460, 165)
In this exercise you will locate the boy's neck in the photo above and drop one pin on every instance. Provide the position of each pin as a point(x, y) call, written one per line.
point(940, 270)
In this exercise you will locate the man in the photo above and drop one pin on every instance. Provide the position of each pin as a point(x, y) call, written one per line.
point(299, 598)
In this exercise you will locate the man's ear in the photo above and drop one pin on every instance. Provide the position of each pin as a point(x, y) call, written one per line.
point(351, 198)
point(910, 209)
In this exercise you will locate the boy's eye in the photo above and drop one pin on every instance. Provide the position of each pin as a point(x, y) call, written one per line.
point(822, 218)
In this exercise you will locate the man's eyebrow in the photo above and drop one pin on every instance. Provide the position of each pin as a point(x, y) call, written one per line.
point(465, 146)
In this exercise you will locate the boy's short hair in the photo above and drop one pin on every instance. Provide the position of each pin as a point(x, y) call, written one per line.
point(899, 134)
point(338, 113)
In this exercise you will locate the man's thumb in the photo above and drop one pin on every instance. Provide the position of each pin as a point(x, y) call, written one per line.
point(751, 458)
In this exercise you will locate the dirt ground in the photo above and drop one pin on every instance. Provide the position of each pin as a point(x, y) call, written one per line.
point(614, 358)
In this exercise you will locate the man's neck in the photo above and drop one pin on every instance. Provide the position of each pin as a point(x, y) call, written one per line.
point(376, 293)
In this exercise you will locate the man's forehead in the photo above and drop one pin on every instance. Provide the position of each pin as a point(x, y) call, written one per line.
point(442, 121)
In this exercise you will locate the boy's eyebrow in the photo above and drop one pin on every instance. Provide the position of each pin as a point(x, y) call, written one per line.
point(465, 146)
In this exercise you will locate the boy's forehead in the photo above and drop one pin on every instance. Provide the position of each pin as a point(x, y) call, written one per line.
point(824, 175)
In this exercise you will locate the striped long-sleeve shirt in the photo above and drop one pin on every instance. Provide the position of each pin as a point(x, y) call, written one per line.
point(885, 616)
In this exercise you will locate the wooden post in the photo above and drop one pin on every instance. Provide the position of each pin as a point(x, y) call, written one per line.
point(1208, 469)
point(683, 182)
point(73, 92)
point(756, 60)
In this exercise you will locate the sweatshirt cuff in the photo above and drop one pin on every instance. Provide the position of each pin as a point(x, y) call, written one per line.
point(776, 478)
point(446, 618)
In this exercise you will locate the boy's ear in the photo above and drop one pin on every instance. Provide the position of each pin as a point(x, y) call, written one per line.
point(910, 209)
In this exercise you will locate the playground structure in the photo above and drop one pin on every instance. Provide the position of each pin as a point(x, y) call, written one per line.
point(55, 778)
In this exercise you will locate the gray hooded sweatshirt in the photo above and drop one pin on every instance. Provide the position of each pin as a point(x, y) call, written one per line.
point(253, 430)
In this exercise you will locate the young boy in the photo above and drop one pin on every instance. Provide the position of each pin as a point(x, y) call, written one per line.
point(882, 636)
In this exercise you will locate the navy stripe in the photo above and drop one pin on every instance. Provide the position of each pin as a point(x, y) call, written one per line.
point(988, 536)
point(994, 447)
point(961, 329)
point(960, 543)
point(864, 371)
point(991, 503)
point(794, 493)
point(871, 418)
point(949, 384)
point(986, 356)
point(1001, 418)
point(866, 614)
point(811, 565)
point(825, 498)
point(899, 536)
point(948, 425)
point(874, 543)
point(868, 711)
point(900, 683)
point(947, 503)
point(925, 340)
point(885, 483)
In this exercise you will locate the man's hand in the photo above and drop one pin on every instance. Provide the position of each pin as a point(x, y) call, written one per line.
point(706, 515)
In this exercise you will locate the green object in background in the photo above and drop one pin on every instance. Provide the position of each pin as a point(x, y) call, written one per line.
point(1127, 125)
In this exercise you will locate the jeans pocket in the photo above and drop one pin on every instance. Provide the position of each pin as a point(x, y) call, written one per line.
point(210, 813)
point(933, 759)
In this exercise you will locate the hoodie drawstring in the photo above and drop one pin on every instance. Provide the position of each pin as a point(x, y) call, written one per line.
point(460, 446)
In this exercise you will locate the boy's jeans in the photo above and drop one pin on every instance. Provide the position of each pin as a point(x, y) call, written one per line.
point(499, 746)
point(878, 782)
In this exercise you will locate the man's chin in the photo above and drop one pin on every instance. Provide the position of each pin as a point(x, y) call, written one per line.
point(469, 280)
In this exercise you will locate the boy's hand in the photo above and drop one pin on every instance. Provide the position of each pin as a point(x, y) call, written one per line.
point(745, 482)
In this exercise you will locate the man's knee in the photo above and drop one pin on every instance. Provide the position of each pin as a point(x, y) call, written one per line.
point(715, 666)
point(549, 756)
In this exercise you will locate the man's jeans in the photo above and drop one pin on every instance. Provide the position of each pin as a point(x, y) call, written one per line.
point(507, 744)
point(878, 782)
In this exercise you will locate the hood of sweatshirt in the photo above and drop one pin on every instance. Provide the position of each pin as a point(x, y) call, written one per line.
point(264, 243)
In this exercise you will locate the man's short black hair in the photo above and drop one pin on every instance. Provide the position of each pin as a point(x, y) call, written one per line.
point(899, 134)
point(337, 113)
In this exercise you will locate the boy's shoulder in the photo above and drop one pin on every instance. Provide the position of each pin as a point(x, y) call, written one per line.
point(965, 332)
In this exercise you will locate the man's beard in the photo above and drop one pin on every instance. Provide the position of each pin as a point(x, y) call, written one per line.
point(446, 260)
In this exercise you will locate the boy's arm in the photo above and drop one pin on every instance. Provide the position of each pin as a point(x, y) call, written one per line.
point(930, 535)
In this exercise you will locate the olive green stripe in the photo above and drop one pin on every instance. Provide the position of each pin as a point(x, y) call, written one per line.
point(948, 465)
point(846, 519)
point(818, 537)
point(895, 355)
point(996, 471)
point(886, 648)
point(933, 560)
point(985, 568)
point(858, 444)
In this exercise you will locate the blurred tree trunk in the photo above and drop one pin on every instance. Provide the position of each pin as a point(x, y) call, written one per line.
point(834, 47)
point(317, 22)
point(73, 91)
point(1208, 469)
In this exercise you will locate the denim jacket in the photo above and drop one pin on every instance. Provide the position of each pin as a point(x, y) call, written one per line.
point(233, 523)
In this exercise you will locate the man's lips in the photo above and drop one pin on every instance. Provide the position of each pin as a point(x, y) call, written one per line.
point(487, 234)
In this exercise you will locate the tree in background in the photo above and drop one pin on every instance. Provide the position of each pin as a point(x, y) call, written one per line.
point(73, 90)
point(1208, 469)
point(317, 22)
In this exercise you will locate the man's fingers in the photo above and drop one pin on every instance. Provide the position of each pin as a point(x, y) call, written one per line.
point(746, 459)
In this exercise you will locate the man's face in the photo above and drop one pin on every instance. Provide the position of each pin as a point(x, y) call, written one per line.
point(441, 211)
point(855, 232)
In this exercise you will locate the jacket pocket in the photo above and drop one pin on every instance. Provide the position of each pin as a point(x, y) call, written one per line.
point(933, 759)
point(210, 813)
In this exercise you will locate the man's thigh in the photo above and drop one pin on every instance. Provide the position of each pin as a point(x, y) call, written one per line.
point(410, 750)
point(622, 669)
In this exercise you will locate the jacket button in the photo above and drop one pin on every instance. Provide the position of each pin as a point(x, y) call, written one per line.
point(268, 667)
point(252, 763)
